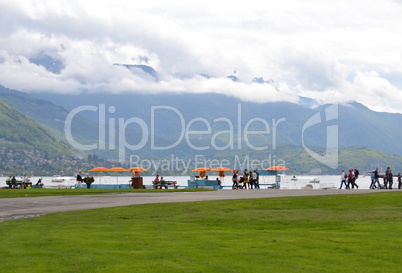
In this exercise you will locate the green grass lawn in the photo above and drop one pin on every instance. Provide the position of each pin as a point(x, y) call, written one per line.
point(338, 233)
point(8, 193)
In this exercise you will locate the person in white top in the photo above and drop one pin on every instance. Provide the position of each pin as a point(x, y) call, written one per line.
point(343, 180)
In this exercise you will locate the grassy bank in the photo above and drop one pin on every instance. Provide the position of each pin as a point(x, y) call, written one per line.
point(8, 193)
point(340, 233)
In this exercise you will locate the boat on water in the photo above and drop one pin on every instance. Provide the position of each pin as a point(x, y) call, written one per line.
point(305, 182)
point(309, 179)
point(61, 182)
point(311, 182)
point(62, 179)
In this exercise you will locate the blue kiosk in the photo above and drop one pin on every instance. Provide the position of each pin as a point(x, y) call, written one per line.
point(195, 182)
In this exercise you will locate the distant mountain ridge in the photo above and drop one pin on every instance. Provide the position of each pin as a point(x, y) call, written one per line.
point(358, 125)
point(361, 130)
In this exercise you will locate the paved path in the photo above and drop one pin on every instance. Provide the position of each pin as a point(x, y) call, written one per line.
point(12, 208)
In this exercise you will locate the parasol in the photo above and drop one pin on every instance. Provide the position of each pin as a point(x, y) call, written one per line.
point(118, 169)
point(137, 170)
point(98, 170)
point(202, 171)
point(221, 170)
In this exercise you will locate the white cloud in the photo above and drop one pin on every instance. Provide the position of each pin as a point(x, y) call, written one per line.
point(325, 50)
point(378, 93)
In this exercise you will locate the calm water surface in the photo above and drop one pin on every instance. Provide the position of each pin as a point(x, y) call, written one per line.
point(325, 181)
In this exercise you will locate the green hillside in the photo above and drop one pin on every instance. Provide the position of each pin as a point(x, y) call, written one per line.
point(17, 131)
point(49, 115)
point(52, 118)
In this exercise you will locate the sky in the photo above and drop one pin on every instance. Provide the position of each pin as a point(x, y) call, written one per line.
point(330, 51)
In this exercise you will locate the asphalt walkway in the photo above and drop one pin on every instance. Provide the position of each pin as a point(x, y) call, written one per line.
point(13, 208)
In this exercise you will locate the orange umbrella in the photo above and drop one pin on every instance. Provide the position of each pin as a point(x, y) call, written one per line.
point(137, 170)
point(221, 170)
point(277, 168)
point(202, 171)
point(99, 169)
point(118, 169)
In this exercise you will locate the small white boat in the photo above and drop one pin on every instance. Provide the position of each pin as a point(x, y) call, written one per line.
point(309, 179)
point(304, 182)
point(61, 179)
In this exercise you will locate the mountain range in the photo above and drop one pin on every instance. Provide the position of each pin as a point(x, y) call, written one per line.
point(358, 125)
point(188, 123)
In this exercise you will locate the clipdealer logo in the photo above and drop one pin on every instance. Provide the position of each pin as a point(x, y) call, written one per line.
point(235, 139)
point(330, 158)
point(108, 126)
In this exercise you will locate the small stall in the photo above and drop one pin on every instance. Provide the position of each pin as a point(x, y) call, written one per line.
point(202, 181)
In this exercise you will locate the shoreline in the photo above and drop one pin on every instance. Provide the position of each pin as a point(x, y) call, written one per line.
point(325, 180)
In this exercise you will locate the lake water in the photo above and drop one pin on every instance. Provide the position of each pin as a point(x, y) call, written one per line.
point(325, 181)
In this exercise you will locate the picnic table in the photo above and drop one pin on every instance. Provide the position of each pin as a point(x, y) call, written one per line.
point(164, 184)
point(18, 184)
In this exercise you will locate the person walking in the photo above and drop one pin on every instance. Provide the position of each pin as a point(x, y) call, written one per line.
point(257, 182)
point(351, 179)
point(254, 179)
point(390, 179)
point(246, 181)
point(399, 180)
point(386, 178)
point(251, 180)
point(343, 180)
point(234, 180)
point(385, 182)
point(372, 176)
point(376, 177)
point(355, 177)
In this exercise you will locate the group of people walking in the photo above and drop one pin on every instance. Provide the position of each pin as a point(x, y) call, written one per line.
point(349, 179)
point(249, 180)
point(388, 179)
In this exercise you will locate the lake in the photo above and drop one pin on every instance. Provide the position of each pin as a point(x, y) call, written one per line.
point(325, 181)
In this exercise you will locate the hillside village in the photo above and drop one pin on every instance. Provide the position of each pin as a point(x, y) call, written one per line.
point(35, 162)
